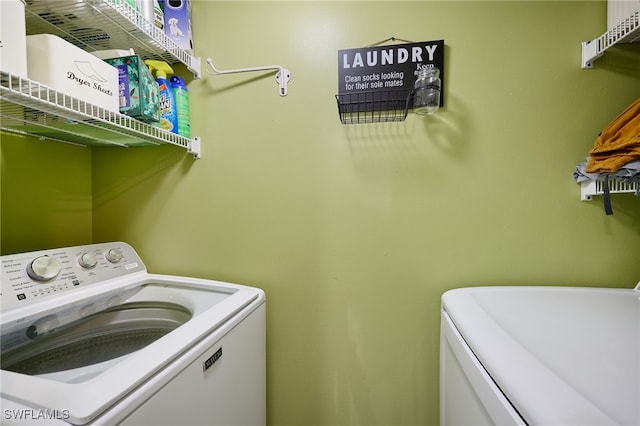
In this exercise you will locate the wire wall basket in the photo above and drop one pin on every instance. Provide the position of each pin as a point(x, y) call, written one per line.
point(374, 106)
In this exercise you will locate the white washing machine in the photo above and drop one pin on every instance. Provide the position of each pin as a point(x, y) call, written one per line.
point(540, 356)
point(90, 337)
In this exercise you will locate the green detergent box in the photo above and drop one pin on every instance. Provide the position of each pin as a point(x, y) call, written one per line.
point(137, 89)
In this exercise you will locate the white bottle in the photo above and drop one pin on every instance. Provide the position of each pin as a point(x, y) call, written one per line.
point(151, 11)
point(146, 9)
point(158, 15)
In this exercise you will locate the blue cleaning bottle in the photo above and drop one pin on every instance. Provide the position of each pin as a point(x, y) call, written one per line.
point(181, 95)
point(168, 110)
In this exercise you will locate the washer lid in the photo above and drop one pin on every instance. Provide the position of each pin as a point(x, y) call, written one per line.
point(561, 355)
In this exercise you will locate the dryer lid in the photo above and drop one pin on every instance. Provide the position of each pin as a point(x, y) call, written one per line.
point(561, 355)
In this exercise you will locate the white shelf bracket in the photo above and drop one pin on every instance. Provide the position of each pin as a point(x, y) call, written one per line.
point(283, 75)
point(590, 53)
point(194, 147)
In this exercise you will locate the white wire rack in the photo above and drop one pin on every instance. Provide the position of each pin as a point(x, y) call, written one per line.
point(105, 24)
point(593, 187)
point(627, 31)
point(31, 108)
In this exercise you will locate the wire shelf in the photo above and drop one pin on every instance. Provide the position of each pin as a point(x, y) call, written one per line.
point(373, 106)
point(31, 108)
point(590, 188)
point(627, 31)
point(105, 24)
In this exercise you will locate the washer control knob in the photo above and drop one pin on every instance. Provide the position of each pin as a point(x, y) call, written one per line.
point(87, 260)
point(44, 268)
point(114, 255)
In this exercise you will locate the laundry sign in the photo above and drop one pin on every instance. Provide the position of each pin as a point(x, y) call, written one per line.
point(387, 68)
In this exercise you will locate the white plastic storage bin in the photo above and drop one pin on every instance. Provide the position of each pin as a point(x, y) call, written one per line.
point(13, 50)
point(70, 70)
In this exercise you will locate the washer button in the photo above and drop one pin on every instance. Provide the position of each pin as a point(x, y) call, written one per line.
point(114, 255)
point(87, 260)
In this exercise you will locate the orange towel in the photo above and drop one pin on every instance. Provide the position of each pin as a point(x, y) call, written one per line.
point(618, 144)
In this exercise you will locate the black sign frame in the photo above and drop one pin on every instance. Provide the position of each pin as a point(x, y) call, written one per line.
point(388, 68)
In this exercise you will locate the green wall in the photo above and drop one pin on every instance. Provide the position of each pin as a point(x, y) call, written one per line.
point(355, 231)
point(45, 194)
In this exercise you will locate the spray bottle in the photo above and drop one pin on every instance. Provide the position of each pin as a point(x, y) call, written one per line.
point(181, 95)
point(168, 112)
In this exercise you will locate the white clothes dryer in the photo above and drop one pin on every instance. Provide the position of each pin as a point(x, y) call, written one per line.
point(540, 356)
point(88, 336)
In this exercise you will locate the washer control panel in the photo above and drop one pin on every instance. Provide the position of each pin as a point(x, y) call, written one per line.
point(28, 277)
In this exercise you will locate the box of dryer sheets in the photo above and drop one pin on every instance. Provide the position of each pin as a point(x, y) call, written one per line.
point(177, 22)
point(68, 69)
point(137, 89)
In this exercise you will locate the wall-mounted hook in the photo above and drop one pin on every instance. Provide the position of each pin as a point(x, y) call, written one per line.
point(283, 75)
